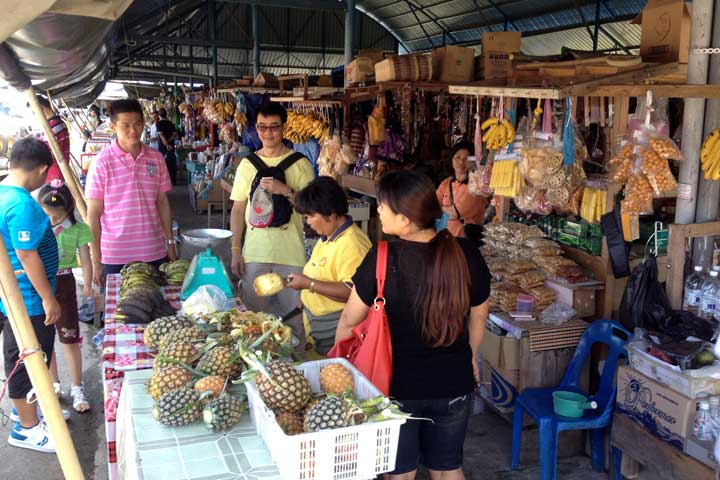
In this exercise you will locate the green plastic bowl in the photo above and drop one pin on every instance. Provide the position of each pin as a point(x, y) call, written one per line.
point(571, 404)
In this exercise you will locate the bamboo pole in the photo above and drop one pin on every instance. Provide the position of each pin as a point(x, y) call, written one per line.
point(74, 178)
point(37, 368)
point(70, 179)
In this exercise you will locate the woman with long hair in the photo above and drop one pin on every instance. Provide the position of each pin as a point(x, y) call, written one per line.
point(436, 293)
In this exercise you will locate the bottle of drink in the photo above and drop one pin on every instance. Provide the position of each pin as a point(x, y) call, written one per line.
point(715, 415)
point(708, 296)
point(693, 288)
point(702, 428)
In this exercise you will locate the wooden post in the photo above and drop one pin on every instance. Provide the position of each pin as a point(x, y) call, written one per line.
point(70, 179)
point(36, 367)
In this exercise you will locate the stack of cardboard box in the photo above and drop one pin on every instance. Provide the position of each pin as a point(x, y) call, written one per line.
point(498, 52)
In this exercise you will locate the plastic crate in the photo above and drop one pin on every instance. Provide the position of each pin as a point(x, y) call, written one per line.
point(360, 452)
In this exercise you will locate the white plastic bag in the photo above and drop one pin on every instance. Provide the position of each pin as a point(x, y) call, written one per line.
point(557, 314)
point(205, 300)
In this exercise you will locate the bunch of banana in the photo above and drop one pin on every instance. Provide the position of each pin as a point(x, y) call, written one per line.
point(594, 204)
point(185, 108)
point(140, 298)
point(241, 120)
point(302, 127)
point(506, 179)
point(710, 156)
point(498, 134)
point(175, 271)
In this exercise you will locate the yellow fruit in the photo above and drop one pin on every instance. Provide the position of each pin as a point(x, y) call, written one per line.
point(335, 379)
point(213, 383)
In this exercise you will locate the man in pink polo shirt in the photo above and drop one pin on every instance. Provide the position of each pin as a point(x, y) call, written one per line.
point(128, 208)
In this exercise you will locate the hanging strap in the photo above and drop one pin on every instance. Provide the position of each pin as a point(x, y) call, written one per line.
point(381, 273)
point(452, 201)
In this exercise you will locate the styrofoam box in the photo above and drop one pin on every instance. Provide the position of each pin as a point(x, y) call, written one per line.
point(671, 375)
point(359, 452)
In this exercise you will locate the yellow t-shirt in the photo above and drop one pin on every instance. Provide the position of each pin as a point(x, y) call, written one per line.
point(283, 245)
point(334, 260)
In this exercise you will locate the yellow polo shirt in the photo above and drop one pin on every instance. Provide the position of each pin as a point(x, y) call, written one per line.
point(334, 260)
point(283, 245)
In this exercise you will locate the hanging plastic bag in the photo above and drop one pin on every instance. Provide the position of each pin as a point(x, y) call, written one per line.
point(557, 314)
point(657, 171)
point(261, 209)
point(644, 303)
point(650, 112)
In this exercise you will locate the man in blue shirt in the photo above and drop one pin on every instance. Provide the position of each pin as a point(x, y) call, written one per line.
point(33, 253)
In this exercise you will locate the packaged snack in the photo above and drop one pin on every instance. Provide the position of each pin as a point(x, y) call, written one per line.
point(638, 195)
point(657, 170)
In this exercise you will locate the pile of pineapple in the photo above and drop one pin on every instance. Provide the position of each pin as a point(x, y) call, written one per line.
point(198, 360)
point(287, 392)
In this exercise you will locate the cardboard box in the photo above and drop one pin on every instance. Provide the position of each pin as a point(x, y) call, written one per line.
point(582, 299)
point(375, 54)
point(501, 352)
point(657, 408)
point(492, 65)
point(360, 70)
point(665, 34)
point(701, 450)
point(453, 64)
point(501, 42)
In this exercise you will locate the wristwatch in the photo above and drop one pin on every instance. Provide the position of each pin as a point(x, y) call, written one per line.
point(172, 242)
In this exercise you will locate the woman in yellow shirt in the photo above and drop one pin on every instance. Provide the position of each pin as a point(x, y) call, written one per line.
point(326, 281)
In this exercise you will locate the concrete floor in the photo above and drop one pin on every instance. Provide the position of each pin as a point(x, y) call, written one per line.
point(487, 447)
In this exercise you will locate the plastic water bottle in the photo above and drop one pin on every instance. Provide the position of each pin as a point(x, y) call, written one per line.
point(702, 424)
point(708, 296)
point(715, 415)
point(693, 288)
point(98, 338)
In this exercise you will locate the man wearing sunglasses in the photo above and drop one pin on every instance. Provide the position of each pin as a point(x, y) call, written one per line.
point(279, 246)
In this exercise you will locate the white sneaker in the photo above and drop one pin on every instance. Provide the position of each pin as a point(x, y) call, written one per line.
point(15, 417)
point(34, 438)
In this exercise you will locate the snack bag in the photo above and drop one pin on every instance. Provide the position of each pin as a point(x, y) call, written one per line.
point(657, 171)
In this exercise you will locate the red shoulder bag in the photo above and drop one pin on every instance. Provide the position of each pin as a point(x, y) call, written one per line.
point(369, 347)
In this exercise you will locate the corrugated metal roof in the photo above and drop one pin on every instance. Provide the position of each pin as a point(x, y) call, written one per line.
point(547, 26)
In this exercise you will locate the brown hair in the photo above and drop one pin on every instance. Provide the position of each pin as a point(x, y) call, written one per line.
point(444, 295)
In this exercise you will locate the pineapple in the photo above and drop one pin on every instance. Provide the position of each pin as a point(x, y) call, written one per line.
point(223, 413)
point(313, 401)
point(213, 383)
point(331, 412)
point(221, 360)
point(187, 334)
point(286, 390)
point(185, 353)
point(268, 284)
point(167, 379)
point(335, 379)
point(290, 423)
point(158, 328)
point(178, 408)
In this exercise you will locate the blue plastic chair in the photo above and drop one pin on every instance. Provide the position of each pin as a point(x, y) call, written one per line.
point(538, 402)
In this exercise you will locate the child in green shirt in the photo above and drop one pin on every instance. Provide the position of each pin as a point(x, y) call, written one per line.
point(73, 237)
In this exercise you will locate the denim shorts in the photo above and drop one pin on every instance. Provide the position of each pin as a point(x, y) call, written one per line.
point(436, 445)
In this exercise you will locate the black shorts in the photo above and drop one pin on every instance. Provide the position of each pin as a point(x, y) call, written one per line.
point(19, 384)
point(436, 445)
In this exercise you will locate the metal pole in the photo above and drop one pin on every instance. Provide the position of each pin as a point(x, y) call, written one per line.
point(708, 197)
point(211, 27)
point(256, 39)
point(694, 113)
point(349, 34)
point(36, 367)
point(597, 25)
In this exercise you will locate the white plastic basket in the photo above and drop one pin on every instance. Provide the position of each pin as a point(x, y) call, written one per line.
point(360, 452)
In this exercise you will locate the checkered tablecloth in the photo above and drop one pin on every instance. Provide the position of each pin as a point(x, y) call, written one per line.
point(123, 350)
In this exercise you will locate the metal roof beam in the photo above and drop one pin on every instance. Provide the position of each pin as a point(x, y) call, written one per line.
point(437, 4)
point(300, 4)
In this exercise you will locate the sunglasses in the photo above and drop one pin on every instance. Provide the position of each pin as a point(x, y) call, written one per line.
point(269, 128)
